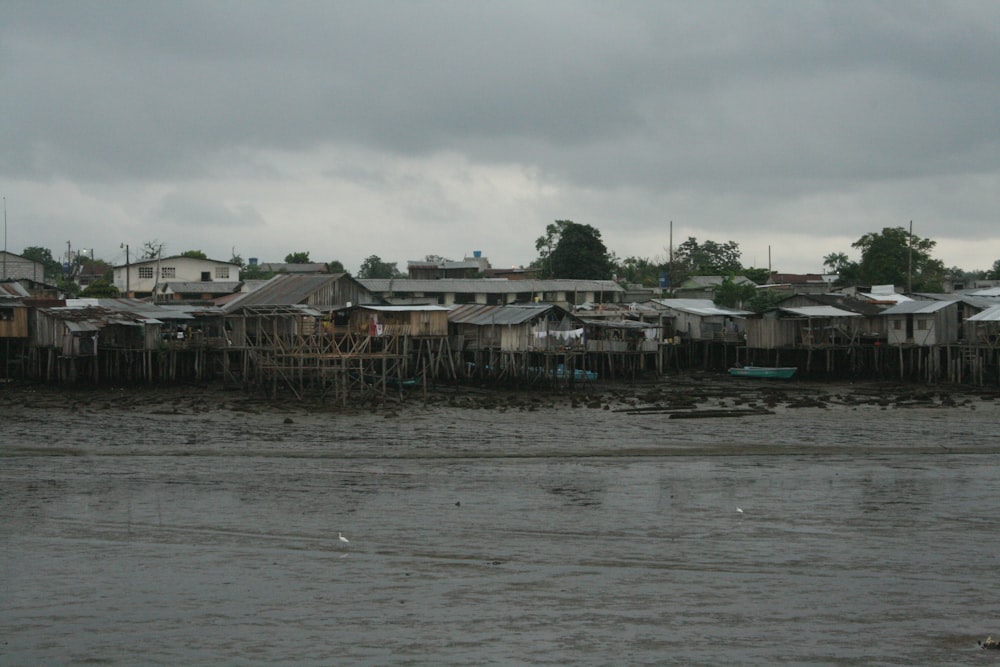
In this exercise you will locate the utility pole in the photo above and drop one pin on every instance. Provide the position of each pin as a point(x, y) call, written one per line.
point(127, 269)
point(909, 261)
point(4, 275)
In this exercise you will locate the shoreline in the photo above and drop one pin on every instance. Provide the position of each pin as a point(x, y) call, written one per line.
point(686, 392)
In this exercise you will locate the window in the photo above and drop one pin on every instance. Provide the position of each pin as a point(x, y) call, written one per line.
point(145, 272)
point(922, 325)
point(168, 272)
point(222, 273)
point(897, 324)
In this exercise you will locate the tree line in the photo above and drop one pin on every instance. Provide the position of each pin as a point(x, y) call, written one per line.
point(576, 251)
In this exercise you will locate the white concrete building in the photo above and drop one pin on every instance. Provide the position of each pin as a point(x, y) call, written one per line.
point(142, 279)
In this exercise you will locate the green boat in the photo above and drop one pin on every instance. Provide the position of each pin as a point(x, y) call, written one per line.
point(775, 372)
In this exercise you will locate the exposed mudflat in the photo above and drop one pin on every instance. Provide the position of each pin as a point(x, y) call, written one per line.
point(198, 525)
point(692, 413)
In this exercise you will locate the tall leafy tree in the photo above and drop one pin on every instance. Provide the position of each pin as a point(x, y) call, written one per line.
point(709, 258)
point(196, 254)
point(572, 250)
point(640, 271)
point(758, 275)
point(994, 273)
point(374, 267)
point(53, 267)
point(837, 262)
point(545, 244)
point(297, 258)
point(888, 258)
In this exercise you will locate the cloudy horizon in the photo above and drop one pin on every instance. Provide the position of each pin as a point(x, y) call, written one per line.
point(409, 129)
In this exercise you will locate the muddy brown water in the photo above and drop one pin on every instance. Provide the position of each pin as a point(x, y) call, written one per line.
point(201, 526)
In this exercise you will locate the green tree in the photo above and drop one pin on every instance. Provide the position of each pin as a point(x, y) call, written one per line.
point(101, 288)
point(571, 250)
point(837, 262)
point(254, 272)
point(888, 257)
point(708, 258)
point(297, 258)
point(196, 254)
point(994, 273)
point(545, 244)
point(763, 299)
point(53, 267)
point(336, 266)
point(374, 267)
point(732, 294)
point(759, 276)
point(640, 271)
point(847, 270)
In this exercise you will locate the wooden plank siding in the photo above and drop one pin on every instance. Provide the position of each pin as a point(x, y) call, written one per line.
point(14, 322)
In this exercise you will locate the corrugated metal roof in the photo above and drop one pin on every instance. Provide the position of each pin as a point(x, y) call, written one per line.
point(988, 291)
point(917, 307)
point(133, 308)
point(621, 324)
point(406, 309)
point(818, 311)
point(703, 307)
point(283, 290)
point(991, 314)
point(487, 285)
point(884, 294)
point(201, 286)
point(13, 289)
point(480, 315)
point(81, 325)
point(713, 281)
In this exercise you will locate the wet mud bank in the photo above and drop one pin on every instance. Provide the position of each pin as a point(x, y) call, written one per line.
point(685, 415)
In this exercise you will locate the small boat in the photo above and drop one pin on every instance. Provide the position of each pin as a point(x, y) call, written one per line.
point(390, 381)
point(777, 372)
point(560, 372)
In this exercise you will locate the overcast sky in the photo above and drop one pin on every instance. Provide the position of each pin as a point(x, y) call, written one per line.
point(403, 129)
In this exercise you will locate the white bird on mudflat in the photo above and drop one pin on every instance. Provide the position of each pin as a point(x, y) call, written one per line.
point(342, 538)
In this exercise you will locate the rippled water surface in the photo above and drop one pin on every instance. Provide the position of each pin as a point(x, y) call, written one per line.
point(550, 536)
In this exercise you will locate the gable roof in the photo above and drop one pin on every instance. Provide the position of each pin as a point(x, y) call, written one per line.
point(991, 314)
point(798, 278)
point(712, 281)
point(883, 294)
point(279, 267)
point(917, 307)
point(703, 307)
point(817, 311)
point(511, 314)
point(285, 289)
point(199, 287)
point(11, 289)
point(154, 260)
point(841, 301)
